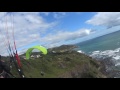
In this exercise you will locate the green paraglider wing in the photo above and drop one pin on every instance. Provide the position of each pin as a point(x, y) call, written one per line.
point(41, 48)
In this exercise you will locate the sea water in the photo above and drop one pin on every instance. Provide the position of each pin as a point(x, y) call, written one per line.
point(106, 46)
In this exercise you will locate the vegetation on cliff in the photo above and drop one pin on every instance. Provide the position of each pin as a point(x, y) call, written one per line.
point(65, 64)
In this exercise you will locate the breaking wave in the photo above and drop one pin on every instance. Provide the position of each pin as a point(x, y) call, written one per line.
point(80, 51)
point(111, 59)
point(113, 54)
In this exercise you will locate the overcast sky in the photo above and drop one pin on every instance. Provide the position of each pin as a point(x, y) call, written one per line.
point(54, 28)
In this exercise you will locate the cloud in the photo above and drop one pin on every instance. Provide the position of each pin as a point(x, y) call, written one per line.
point(107, 19)
point(28, 28)
point(58, 15)
point(66, 36)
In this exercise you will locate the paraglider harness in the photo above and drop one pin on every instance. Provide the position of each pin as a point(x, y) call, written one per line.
point(5, 70)
point(2, 73)
point(5, 74)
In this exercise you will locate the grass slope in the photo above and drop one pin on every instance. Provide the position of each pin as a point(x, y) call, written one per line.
point(61, 65)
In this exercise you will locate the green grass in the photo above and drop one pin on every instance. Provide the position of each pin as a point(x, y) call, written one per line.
point(66, 65)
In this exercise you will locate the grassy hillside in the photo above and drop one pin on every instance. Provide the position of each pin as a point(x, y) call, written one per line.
point(68, 64)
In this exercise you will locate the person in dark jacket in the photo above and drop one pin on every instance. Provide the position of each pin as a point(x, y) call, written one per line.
point(4, 69)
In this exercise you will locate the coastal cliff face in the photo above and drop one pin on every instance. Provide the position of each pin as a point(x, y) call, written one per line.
point(64, 62)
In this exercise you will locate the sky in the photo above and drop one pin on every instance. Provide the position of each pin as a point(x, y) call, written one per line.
point(51, 29)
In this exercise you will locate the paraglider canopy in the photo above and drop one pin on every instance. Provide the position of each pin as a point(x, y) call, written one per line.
point(41, 48)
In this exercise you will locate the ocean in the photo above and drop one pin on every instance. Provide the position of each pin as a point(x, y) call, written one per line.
point(106, 46)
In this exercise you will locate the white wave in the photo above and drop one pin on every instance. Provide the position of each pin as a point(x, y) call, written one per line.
point(80, 51)
point(116, 57)
point(113, 54)
point(117, 64)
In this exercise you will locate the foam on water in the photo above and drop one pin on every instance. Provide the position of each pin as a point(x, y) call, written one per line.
point(80, 51)
point(113, 54)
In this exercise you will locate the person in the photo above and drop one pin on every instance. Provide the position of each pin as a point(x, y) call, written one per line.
point(4, 69)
